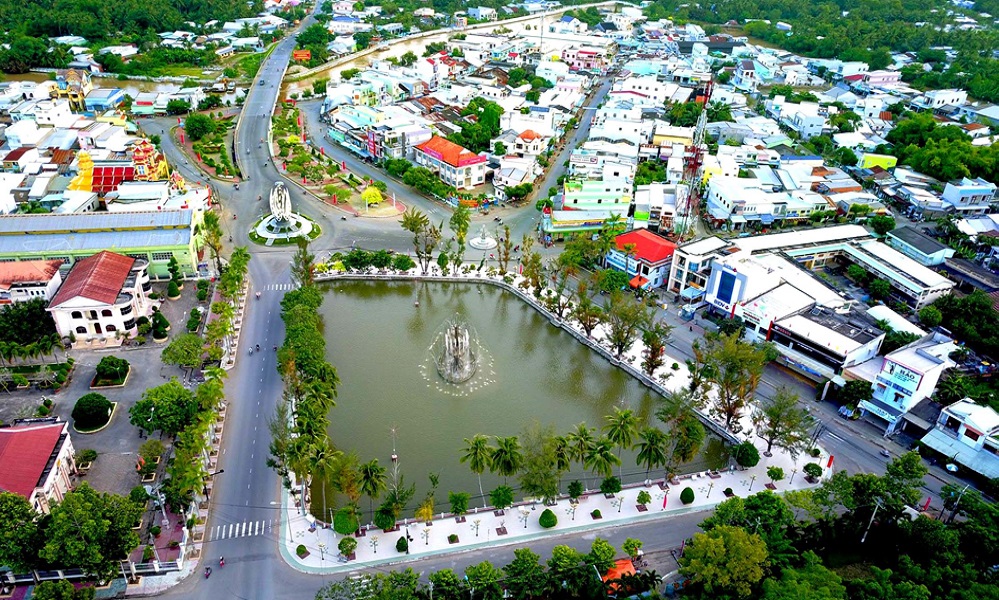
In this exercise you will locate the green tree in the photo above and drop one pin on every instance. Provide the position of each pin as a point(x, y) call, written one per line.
point(91, 531)
point(303, 264)
point(372, 481)
point(525, 576)
point(880, 288)
point(460, 221)
point(486, 579)
point(930, 316)
point(881, 224)
point(857, 273)
point(169, 408)
point(625, 318)
point(782, 422)
point(735, 368)
point(506, 458)
point(726, 561)
point(621, 430)
point(539, 470)
point(477, 454)
point(91, 411)
point(601, 555)
point(600, 459)
point(685, 433)
point(198, 126)
point(61, 590)
point(652, 449)
point(812, 581)
point(186, 350)
point(655, 338)
point(448, 585)
point(20, 537)
point(501, 497)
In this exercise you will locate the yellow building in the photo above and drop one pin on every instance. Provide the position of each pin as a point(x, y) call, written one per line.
point(877, 160)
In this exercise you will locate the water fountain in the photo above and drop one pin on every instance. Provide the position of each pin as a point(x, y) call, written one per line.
point(456, 352)
point(283, 223)
point(484, 241)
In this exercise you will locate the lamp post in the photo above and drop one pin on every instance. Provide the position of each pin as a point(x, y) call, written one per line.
point(752, 480)
point(204, 480)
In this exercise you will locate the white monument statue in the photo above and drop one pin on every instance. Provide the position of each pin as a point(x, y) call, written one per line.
point(280, 202)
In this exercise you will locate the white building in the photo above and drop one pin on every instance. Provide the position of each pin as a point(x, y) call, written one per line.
point(101, 298)
point(969, 196)
point(968, 434)
point(39, 461)
point(901, 379)
point(25, 280)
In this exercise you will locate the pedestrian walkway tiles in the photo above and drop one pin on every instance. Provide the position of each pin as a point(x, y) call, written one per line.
point(244, 529)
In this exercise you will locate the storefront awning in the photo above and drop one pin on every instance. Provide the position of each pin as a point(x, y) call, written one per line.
point(691, 292)
point(638, 281)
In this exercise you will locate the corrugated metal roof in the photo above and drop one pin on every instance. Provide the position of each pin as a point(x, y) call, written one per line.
point(53, 244)
point(93, 222)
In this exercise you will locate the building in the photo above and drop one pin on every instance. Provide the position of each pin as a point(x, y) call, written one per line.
point(29, 279)
point(969, 196)
point(151, 236)
point(103, 99)
point(968, 435)
point(454, 164)
point(937, 99)
point(37, 455)
point(820, 343)
point(919, 246)
point(901, 379)
point(482, 13)
point(586, 58)
point(643, 256)
point(102, 297)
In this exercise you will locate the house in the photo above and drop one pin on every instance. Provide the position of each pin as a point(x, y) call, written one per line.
point(38, 459)
point(586, 58)
point(969, 196)
point(567, 24)
point(643, 256)
point(103, 99)
point(123, 52)
point(482, 13)
point(341, 24)
point(968, 435)
point(820, 343)
point(28, 280)
point(937, 99)
point(903, 378)
point(102, 297)
point(454, 164)
point(919, 246)
point(745, 76)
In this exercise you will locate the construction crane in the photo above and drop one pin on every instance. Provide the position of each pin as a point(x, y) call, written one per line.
point(687, 196)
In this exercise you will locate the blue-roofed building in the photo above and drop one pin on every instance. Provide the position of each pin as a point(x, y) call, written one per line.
point(103, 99)
point(567, 24)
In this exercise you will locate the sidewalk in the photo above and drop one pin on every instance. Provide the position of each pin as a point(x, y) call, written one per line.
point(519, 524)
point(485, 527)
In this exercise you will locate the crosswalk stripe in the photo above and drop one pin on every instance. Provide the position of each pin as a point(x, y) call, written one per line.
point(231, 525)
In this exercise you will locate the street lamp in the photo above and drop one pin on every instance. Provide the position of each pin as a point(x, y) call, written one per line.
point(204, 480)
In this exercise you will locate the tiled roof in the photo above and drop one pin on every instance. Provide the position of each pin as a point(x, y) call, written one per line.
point(99, 277)
point(529, 135)
point(448, 150)
point(648, 246)
point(27, 271)
point(24, 453)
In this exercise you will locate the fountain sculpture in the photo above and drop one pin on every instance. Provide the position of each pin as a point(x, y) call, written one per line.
point(283, 223)
point(455, 352)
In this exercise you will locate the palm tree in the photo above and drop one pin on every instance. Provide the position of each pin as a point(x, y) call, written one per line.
point(563, 457)
point(415, 222)
point(298, 459)
point(373, 482)
point(629, 250)
point(506, 459)
point(580, 441)
point(477, 455)
point(651, 449)
point(601, 458)
point(622, 427)
point(323, 460)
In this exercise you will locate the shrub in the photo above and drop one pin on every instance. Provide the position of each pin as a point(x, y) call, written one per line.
point(452, 538)
point(596, 514)
point(548, 519)
point(47, 403)
point(202, 295)
point(401, 262)
point(147, 554)
point(112, 368)
point(812, 470)
point(301, 551)
point(42, 411)
point(402, 545)
point(172, 290)
point(91, 411)
point(631, 546)
point(610, 485)
point(815, 452)
point(345, 521)
point(155, 530)
point(728, 492)
point(347, 546)
point(687, 495)
point(86, 456)
point(202, 284)
point(746, 454)
point(575, 490)
point(384, 518)
point(644, 497)
point(775, 473)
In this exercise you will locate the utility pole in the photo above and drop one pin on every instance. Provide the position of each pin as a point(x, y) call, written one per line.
point(869, 523)
point(953, 512)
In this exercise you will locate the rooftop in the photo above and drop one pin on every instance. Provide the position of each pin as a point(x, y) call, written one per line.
point(24, 453)
point(648, 246)
point(99, 277)
point(18, 225)
point(27, 271)
point(839, 333)
point(917, 239)
point(447, 150)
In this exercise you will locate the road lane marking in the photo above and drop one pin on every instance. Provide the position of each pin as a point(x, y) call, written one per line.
point(231, 525)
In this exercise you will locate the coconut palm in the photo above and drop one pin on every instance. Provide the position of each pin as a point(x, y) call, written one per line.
point(298, 459)
point(601, 458)
point(373, 482)
point(506, 458)
point(652, 449)
point(622, 427)
point(477, 454)
point(323, 460)
point(580, 441)
point(563, 456)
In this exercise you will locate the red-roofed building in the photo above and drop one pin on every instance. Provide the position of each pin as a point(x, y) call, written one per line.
point(649, 261)
point(25, 280)
point(37, 459)
point(454, 164)
point(102, 297)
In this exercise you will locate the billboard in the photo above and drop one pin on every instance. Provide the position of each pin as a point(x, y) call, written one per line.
point(301, 55)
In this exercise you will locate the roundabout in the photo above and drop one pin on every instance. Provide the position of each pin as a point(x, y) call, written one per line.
point(282, 226)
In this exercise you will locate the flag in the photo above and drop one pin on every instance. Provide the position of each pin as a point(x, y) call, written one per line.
point(831, 457)
point(322, 151)
point(665, 498)
point(178, 120)
point(343, 165)
point(927, 505)
point(181, 137)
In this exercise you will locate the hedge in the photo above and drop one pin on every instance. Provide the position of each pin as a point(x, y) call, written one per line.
point(548, 519)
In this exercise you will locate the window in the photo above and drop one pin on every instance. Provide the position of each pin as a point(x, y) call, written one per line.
point(129, 324)
point(76, 315)
point(972, 435)
point(162, 255)
point(110, 328)
point(106, 312)
point(81, 329)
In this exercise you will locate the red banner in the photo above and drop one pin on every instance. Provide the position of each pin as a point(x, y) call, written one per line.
point(301, 55)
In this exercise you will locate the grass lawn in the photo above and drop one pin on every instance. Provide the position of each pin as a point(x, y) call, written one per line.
point(179, 71)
